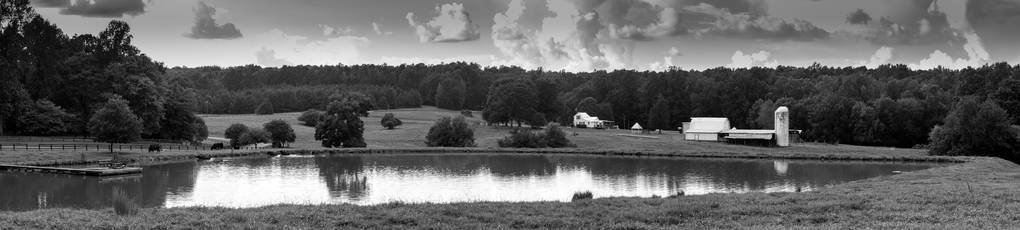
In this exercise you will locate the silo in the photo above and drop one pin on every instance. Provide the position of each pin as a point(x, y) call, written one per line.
point(782, 126)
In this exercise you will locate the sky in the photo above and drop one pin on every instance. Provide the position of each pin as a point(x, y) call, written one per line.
point(569, 35)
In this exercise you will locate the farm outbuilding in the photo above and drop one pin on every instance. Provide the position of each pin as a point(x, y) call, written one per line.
point(706, 128)
point(582, 119)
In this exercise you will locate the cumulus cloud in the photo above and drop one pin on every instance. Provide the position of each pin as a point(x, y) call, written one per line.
point(329, 31)
point(453, 24)
point(51, 3)
point(707, 19)
point(761, 58)
point(976, 56)
point(102, 8)
point(267, 57)
point(997, 23)
point(667, 61)
point(300, 49)
point(882, 56)
point(858, 17)
point(912, 22)
point(378, 30)
point(206, 28)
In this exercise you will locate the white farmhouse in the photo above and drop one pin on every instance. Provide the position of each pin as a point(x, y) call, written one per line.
point(585, 120)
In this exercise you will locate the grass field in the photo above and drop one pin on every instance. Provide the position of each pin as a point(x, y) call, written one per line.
point(980, 193)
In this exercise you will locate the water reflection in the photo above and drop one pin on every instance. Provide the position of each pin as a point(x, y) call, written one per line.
point(372, 179)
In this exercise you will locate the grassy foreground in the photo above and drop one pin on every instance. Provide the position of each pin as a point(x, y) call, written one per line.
point(981, 194)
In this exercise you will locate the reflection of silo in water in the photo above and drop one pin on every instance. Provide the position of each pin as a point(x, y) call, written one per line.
point(780, 167)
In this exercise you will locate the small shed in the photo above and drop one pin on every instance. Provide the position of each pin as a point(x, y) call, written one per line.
point(636, 128)
point(706, 128)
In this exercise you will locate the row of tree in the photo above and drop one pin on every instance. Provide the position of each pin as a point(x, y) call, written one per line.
point(283, 99)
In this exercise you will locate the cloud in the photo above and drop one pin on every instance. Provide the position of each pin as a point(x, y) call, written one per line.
point(882, 56)
point(51, 3)
point(997, 23)
point(267, 57)
point(300, 49)
point(206, 28)
point(378, 30)
point(453, 24)
point(976, 56)
point(480, 59)
point(101, 8)
point(858, 17)
point(912, 22)
point(761, 58)
point(329, 31)
point(667, 61)
point(706, 19)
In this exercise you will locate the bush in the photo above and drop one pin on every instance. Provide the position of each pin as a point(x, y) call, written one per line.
point(310, 117)
point(551, 137)
point(976, 128)
point(586, 195)
point(450, 132)
point(279, 132)
point(390, 121)
point(523, 138)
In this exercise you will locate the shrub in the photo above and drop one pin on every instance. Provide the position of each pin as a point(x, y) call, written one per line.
point(450, 132)
point(123, 204)
point(279, 132)
point(556, 137)
point(523, 138)
point(586, 195)
point(390, 121)
point(310, 117)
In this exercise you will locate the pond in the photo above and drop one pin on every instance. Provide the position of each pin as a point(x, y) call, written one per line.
point(374, 179)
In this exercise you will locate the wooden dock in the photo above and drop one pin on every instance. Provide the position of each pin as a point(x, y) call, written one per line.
point(95, 171)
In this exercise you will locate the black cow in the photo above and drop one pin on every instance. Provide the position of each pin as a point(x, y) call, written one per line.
point(217, 146)
point(155, 148)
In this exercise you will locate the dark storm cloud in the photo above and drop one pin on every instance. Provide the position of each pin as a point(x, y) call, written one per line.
point(104, 8)
point(858, 17)
point(997, 22)
point(706, 19)
point(206, 28)
point(51, 3)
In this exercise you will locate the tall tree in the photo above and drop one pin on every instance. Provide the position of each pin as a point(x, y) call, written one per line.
point(341, 126)
point(114, 123)
point(658, 116)
point(280, 133)
point(510, 100)
point(450, 94)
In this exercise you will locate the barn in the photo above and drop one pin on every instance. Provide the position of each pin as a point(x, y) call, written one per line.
point(706, 128)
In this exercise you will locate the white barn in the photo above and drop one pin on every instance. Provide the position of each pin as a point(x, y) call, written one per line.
point(705, 128)
point(583, 119)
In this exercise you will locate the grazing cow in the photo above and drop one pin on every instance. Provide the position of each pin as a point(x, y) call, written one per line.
point(155, 148)
point(217, 146)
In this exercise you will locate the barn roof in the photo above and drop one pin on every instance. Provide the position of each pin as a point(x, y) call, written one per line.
point(709, 125)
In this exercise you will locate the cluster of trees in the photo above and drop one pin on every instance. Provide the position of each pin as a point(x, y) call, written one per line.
point(277, 132)
point(54, 84)
point(450, 132)
point(282, 99)
point(523, 100)
point(341, 125)
point(551, 137)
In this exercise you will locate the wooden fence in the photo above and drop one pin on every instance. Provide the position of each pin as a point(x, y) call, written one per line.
point(102, 146)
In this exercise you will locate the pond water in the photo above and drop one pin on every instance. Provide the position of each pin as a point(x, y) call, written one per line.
point(374, 179)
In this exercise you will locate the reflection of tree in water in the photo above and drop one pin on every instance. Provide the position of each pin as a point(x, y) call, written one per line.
point(161, 180)
point(467, 164)
point(522, 165)
point(343, 175)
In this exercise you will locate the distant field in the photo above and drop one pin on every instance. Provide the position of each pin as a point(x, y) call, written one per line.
point(418, 120)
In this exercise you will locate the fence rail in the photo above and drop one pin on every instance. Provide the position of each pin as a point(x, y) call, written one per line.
point(71, 139)
point(98, 146)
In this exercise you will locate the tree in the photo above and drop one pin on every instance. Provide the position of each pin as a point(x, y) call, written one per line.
point(658, 116)
point(114, 123)
point(234, 133)
point(280, 132)
point(450, 132)
point(975, 128)
point(587, 105)
point(341, 126)
point(46, 119)
point(390, 121)
point(310, 117)
point(537, 120)
point(555, 137)
point(1008, 97)
point(253, 137)
point(450, 94)
point(264, 108)
point(180, 123)
point(510, 100)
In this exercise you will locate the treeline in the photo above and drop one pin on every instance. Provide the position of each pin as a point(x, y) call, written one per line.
point(53, 84)
point(287, 98)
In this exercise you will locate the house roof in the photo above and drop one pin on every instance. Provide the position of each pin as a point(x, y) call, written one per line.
point(636, 126)
point(709, 125)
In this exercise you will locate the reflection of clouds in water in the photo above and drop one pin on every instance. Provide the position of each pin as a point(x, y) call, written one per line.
point(237, 185)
